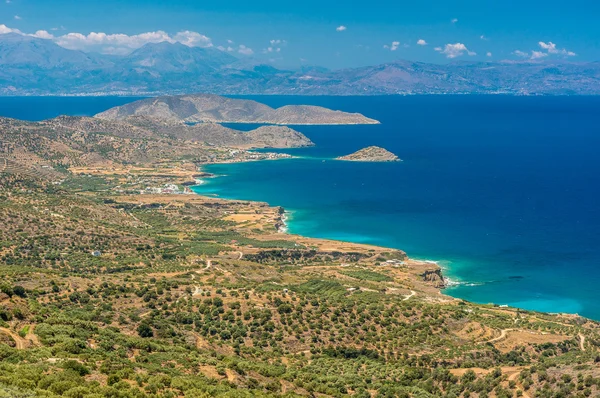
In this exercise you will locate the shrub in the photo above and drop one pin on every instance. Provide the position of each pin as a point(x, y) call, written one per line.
point(144, 330)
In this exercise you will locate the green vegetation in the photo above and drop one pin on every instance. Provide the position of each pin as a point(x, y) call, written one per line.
point(106, 294)
point(366, 275)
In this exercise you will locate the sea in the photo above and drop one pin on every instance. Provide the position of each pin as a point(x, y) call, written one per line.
point(502, 191)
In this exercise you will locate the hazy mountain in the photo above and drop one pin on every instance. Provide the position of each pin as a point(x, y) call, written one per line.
point(35, 66)
point(23, 51)
point(176, 58)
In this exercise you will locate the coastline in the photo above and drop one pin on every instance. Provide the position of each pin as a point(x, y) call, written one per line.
point(283, 227)
point(429, 271)
point(444, 279)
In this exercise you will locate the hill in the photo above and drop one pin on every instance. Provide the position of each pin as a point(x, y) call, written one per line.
point(81, 141)
point(217, 109)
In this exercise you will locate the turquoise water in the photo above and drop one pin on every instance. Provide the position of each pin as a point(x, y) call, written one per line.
point(502, 191)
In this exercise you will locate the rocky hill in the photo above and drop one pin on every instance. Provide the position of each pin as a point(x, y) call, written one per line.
point(214, 108)
point(82, 141)
point(371, 154)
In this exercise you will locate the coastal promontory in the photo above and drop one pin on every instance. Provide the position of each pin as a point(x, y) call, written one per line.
point(371, 154)
point(199, 108)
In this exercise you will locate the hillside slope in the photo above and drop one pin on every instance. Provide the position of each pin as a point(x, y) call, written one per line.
point(80, 141)
point(163, 295)
point(118, 282)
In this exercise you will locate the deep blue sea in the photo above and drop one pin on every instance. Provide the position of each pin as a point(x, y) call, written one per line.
point(502, 191)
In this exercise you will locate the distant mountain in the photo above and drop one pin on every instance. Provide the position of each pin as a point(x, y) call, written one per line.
point(31, 66)
point(23, 51)
point(168, 57)
point(199, 108)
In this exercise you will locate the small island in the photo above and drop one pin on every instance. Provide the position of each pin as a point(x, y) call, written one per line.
point(371, 154)
point(202, 108)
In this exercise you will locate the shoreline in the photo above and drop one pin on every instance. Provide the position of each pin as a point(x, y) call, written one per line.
point(448, 283)
point(434, 275)
point(284, 228)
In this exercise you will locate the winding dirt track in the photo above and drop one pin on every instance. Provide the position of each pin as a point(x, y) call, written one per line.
point(20, 342)
point(581, 341)
point(502, 336)
point(412, 293)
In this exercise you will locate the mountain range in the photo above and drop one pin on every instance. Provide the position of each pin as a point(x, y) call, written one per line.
point(33, 66)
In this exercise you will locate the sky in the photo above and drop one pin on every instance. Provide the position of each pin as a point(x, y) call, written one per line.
point(333, 34)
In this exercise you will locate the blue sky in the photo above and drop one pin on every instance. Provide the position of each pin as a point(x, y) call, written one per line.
point(289, 33)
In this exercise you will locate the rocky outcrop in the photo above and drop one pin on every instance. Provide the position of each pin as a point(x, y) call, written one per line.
point(434, 277)
point(371, 154)
point(278, 137)
point(214, 108)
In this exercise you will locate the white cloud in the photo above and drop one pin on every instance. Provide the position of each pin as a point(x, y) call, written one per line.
point(341, 28)
point(192, 39)
point(42, 34)
point(455, 50)
point(520, 53)
point(275, 46)
point(18, 18)
point(421, 42)
point(482, 37)
point(230, 41)
point(120, 43)
point(551, 49)
point(245, 50)
point(116, 43)
point(547, 50)
point(538, 54)
point(5, 30)
point(393, 47)
point(271, 50)
point(488, 54)
point(454, 20)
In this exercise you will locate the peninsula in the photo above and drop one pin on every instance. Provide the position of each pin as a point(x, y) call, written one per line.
point(198, 108)
point(371, 154)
